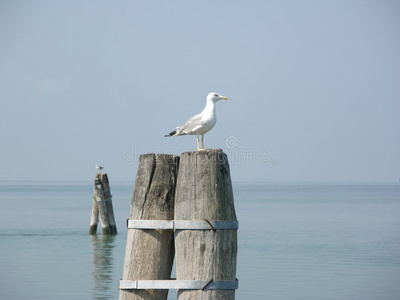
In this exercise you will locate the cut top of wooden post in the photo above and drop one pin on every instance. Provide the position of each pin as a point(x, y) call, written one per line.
point(204, 187)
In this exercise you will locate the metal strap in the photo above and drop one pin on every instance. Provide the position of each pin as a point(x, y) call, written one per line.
point(98, 199)
point(178, 284)
point(183, 224)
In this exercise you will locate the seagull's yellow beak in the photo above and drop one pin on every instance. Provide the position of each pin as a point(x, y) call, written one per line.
point(224, 98)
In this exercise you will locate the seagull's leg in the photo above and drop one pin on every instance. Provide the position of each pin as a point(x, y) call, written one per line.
point(202, 141)
point(198, 147)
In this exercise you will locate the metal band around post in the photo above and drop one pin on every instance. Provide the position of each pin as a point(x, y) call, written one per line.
point(178, 284)
point(183, 224)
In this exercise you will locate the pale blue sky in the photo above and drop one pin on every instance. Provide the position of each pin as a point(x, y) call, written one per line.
point(313, 86)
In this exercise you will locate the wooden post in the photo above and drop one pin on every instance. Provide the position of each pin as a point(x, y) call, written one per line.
point(204, 191)
point(102, 204)
point(150, 253)
point(95, 217)
point(112, 227)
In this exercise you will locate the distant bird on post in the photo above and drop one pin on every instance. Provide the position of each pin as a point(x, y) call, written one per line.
point(99, 168)
point(202, 123)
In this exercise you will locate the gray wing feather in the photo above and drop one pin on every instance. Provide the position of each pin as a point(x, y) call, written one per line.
point(191, 124)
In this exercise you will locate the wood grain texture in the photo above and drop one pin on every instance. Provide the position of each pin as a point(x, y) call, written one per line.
point(150, 253)
point(204, 191)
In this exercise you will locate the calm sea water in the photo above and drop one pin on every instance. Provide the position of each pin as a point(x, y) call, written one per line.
point(296, 241)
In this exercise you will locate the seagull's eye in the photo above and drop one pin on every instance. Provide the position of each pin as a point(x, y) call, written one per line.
point(215, 95)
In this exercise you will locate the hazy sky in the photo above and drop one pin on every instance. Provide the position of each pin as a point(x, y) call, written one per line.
point(313, 86)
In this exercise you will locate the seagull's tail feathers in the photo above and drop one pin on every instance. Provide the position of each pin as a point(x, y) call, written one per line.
point(176, 132)
point(172, 133)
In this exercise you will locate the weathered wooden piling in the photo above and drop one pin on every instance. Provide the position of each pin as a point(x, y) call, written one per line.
point(109, 205)
point(204, 192)
point(150, 253)
point(95, 217)
point(102, 204)
point(197, 205)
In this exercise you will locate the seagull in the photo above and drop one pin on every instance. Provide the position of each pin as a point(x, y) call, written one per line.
point(202, 123)
point(99, 168)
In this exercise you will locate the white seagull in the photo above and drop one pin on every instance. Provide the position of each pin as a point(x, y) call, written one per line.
point(99, 168)
point(202, 123)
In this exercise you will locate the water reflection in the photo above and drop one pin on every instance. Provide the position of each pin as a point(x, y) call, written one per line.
point(102, 260)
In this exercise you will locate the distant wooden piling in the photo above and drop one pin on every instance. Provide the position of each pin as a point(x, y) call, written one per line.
point(102, 205)
point(204, 192)
point(95, 217)
point(109, 205)
point(150, 253)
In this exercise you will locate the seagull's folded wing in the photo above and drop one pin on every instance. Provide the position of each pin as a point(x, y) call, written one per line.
point(192, 124)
